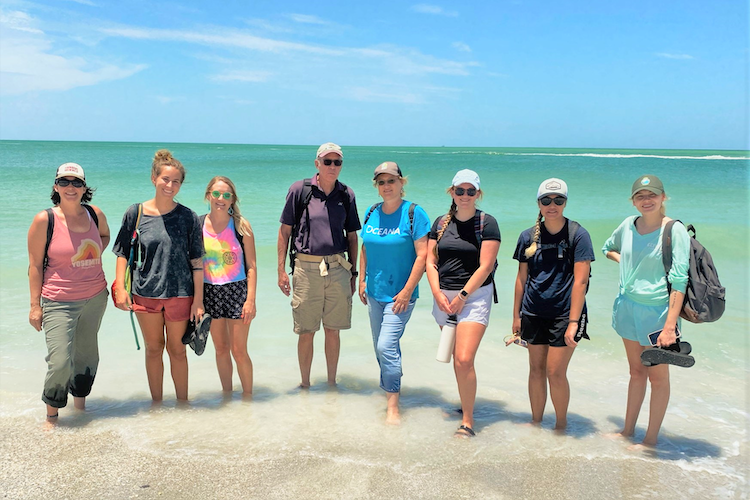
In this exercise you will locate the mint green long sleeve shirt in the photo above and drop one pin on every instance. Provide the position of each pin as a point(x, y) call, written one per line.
point(642, 276)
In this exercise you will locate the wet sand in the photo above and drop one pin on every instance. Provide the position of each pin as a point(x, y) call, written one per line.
point(74, 462)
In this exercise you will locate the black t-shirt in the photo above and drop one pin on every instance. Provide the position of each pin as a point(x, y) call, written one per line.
point(458, 249)
point(167, 244)
point(550, 278)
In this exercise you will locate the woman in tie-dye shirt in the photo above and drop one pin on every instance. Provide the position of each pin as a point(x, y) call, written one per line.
point(229, 281)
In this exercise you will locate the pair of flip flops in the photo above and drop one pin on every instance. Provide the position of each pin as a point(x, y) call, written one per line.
point(677, 354)
point(196, 334)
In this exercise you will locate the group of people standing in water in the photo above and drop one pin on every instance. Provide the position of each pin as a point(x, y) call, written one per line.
point(186, 266)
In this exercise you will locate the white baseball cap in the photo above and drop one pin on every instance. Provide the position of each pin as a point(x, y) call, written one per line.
point(70, 170)
point(552, 186)
point(466, 176)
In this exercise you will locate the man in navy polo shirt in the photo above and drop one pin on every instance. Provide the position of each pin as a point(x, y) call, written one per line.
point(325, 267)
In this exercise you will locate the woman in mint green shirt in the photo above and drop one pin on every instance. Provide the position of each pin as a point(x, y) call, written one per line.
point(645, 304)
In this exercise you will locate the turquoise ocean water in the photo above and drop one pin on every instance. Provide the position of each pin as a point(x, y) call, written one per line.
point(705, 429)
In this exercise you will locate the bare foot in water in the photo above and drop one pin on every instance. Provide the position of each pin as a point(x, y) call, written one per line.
point(642, 447)
point(392, 417)
point(533, 424)
point(616, 435)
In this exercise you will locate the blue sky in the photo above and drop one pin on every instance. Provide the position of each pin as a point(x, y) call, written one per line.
point(587, 74)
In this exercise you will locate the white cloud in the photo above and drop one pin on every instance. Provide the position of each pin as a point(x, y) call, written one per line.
point(18, 21)
point(674, 56)
point(241, 76)
point(435, 10)
point(29, 63)
point(461, 46)
point(221, 37)
point(395, 59)
point(307, 19)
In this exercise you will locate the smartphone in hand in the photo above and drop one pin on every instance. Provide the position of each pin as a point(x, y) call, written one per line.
point(655, 335)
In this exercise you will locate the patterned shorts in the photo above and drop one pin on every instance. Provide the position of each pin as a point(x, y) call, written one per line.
point(225, 301)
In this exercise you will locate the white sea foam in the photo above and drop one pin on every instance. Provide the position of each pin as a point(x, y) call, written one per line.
point(625, 156)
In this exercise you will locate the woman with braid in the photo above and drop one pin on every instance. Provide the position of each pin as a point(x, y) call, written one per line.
point(549, 307)
point(461, 254)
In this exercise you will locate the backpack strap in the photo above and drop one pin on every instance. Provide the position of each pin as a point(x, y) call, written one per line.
point(412, 207)
point(479, 220)
point(370, 211)
point(51, 229)
point(92, 213)
point(666, 249)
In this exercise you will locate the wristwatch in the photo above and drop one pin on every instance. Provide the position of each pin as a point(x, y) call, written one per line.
point(464, 294)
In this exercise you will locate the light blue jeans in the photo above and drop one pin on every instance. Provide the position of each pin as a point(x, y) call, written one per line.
point(387, 329)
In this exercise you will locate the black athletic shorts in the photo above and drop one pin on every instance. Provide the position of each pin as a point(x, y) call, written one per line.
point(549, 331)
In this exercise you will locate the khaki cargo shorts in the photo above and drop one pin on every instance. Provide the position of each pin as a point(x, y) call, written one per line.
point(317, 298)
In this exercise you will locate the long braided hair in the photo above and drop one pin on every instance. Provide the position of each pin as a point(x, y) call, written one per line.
point(535, 236)
point(242, 225)
point(446, 220)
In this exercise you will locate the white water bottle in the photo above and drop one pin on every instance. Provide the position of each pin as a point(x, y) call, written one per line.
point(447, 340)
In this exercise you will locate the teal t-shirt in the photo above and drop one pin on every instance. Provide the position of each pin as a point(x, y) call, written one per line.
point(642, 275)
point(389, 246)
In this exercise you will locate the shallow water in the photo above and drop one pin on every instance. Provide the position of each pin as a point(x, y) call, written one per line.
point(333, 443)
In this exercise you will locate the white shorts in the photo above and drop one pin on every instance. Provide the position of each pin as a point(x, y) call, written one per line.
point(476, 309)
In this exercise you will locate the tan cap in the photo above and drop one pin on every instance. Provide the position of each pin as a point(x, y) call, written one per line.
point(70, 170)
point(387, 167)
point(329, 147)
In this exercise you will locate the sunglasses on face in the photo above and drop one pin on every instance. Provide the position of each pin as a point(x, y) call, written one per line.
point(327, 162)
point(461, 191)
point(219, 194)
point(559, 201)
point(389, 182)
point(66, 182)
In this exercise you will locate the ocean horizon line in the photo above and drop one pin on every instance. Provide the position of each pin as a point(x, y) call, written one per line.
point(625, 152)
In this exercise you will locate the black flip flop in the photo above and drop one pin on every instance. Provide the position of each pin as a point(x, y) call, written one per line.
point(196, 335)
point(464, 431)
point(659, 356)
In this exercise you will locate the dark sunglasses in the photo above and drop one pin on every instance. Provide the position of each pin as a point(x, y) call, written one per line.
point(461, 191)
point(389, 181)
point(226, 195)
point(338, 163)
point(62, 182)
point(559, 201)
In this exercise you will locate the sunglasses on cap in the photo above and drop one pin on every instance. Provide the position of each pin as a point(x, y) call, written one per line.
point(389, 182)
point(559, 201)
point(63, 182)
point(460, 191)
point(327, 162)
point(226, 195)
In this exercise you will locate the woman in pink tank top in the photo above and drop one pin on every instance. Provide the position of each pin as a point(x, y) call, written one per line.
point(67, 287)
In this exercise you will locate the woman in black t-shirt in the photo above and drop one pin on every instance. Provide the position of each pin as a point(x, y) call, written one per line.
point(461, 256)
point(549, 309)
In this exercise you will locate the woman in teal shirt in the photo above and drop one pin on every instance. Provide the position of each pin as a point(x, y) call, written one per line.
point(645, 304)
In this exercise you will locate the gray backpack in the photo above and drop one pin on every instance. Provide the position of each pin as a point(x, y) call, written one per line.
point(704, 296)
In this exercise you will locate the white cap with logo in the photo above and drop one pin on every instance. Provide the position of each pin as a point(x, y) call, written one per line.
point(552, 186)
point(70, 170)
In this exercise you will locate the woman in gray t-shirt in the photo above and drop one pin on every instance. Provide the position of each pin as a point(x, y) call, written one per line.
point(168, 280)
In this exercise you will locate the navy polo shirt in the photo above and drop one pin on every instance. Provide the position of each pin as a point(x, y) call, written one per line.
point(330, 219)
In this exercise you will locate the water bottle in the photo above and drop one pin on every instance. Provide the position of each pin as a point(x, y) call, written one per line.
point(447, 340)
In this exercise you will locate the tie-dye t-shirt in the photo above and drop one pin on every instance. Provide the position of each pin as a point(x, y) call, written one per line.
point(223, 262)
point(74, 271)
